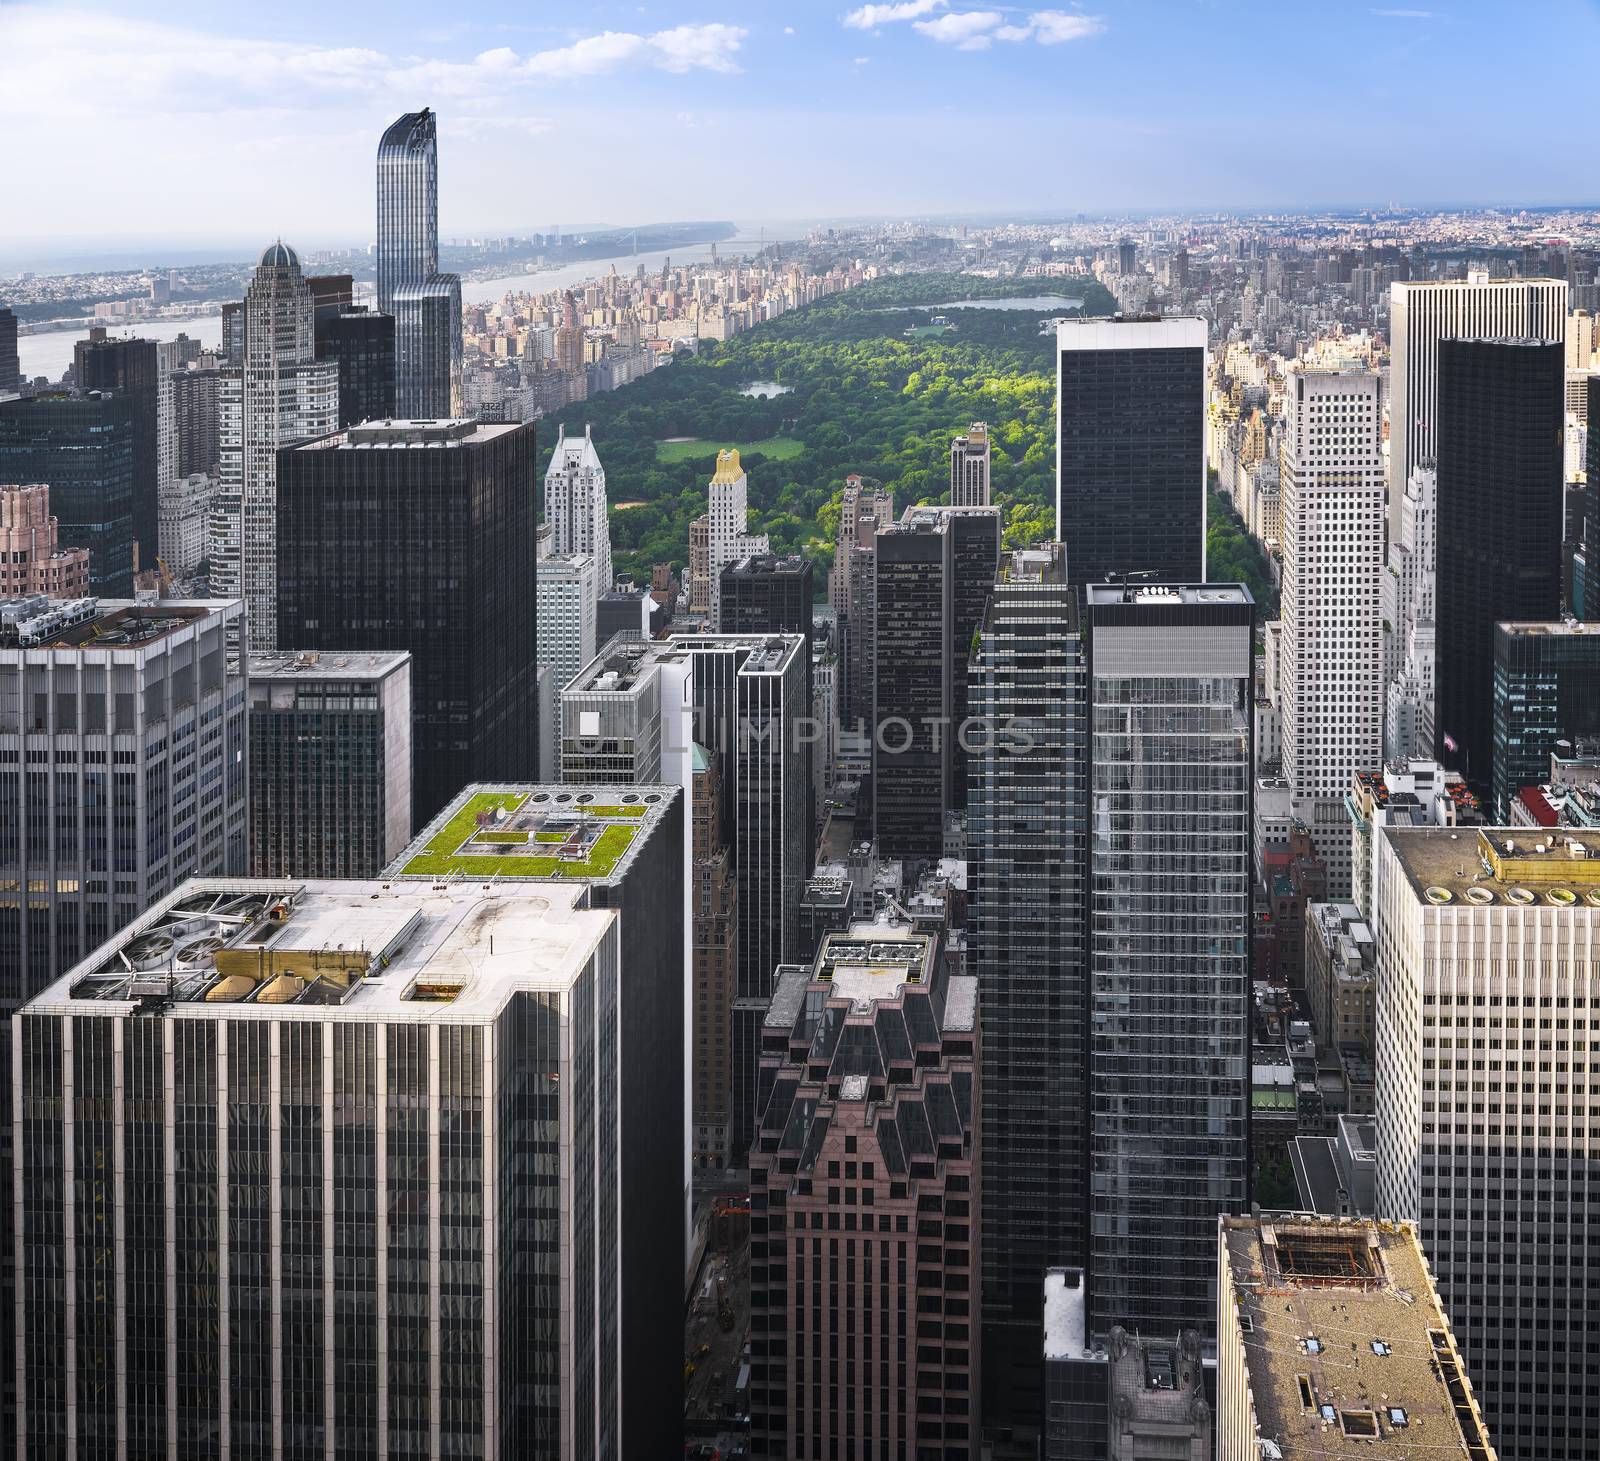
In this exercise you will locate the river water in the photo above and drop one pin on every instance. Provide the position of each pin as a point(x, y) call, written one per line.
point(49, 353)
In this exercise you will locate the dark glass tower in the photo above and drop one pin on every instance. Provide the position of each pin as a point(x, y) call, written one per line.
point(10, 369)
point(1591, 507)
point(1131, 460)
point(1171, 687)
point(1546, 690)
point(82, 447)
point(362, 341)
point(408, 205)
point(767, 594)
point(130, 367)
point(1027, 810)
point(421, 537)
point(1499, 441)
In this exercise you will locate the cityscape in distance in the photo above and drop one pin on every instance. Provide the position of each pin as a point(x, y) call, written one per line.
point(952, 816)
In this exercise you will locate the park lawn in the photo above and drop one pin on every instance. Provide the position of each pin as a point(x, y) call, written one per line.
point(774, 448)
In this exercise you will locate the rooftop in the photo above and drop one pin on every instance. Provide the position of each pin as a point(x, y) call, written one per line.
point(84, 624)
point(314, 664)
point(1134, 592)
point(393, 435)
point(244, 948)
point(1066, 1326)
point(578, 832)
point(1548, 629)
point(1483, 866)
point(1345, 1342)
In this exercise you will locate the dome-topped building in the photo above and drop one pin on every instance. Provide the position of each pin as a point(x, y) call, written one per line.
point(279, 256)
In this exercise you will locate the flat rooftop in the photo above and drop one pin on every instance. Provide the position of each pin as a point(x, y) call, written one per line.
point(1066, 1323)
point(1486, 866)
point(399, 435)
point(90, 624)
point(543, 832)
point(325, 665)
point(1345, 1342)
point(1548, 629)
point(249, 947)
point(1167, 593)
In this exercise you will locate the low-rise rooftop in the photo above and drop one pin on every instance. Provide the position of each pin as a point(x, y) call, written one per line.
point(97, 624)
point(1485, 866)
point(325, 664)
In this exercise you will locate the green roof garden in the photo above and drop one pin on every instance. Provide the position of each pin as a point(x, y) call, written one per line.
point(499, 835)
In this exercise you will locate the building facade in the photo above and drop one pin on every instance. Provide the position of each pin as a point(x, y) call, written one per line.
point(969, 467)
point(384, 546)
point(81, 447)
point(1130, 453)
point(1330, 694)
point(32, 560)
point(729, 538)
point(428, 348)
point(330, 763)
point(1170, 678)
point(361, 343)
point(1408, 728)
point(10, 369)
point(864, 1175)
point(575, 504)
point(567, 610)
point(1546, 697)
point(713, 969)
point(130, 368)
point(1500, 516)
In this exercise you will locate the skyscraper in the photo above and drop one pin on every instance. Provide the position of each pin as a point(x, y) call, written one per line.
point(1423, 314)
point(871, 1132)
point(1408, 714)
point(730, 538)
point(10, 370)
point(1130, 453)
point(130, 368)
point(713, 976)
point(767, 593)
point(330, 763)
point(969, 467)
point(81, 447)
point(426, 304)
point(32, 560)
point(1027, 871)
point(361, 341)
point(386, 546)
point(374, 1173)
point(282, 393)
point(1171, 673)
point(862, 511)
point(1489, 936)
point(1330, 671)
point(575, 504)
point(1546, 691)
point(1499, 538)
point(566, 595)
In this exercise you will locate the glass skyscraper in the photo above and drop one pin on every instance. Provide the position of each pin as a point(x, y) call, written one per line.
point(425, 303)
point(1171, 686)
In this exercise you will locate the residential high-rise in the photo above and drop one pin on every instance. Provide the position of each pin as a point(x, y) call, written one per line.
point(428, 345)
point(133, 777)
point(713, 969)
point(626, 846)
point(1546, 691)
point(1424, 313)
point(184, 522)
point(1127, 258)
point(408, 205)
point(361, 341)
point(767, 594)
point(1491, 936)
point(426, 304)
point(863, 1178)
point(10, 369)
point(862, 511)
point(1171, 672)
point(330, 763)
point(1130, 451)
point(1332, 1341)
point(32, 560)
point(419, 536)
point(934, 571)
point(1589, 591)
point(566, 594)
point(969, 467)
point(130, 368)
point(1027, 871)
point(81, 447)
point(1330, 688)
point(281, 394)
point(730, 539)
point(375, 1168)
point(698, 579)
point(1499, 536)
point(195, 403)
point(575, 504)
point(1408, 713)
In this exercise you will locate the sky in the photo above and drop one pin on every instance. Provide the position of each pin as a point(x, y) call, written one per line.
point(172, 119)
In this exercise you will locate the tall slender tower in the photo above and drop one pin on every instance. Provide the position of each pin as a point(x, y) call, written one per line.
point(731, 538)
point(1330, 668)
point(969, 467)
point(282, 393)
point(426, 304)
point(575, 504)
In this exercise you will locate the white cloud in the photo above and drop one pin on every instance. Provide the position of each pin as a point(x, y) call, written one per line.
point(967, 30)
point(591, 56)
point(868, 17)
point(863, 60)
point(690, 47)
point(1053, 27)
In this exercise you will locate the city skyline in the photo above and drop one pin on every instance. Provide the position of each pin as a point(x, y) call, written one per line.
point(715, 91)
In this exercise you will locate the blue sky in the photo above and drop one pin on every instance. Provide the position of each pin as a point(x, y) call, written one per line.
point(226, 121)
